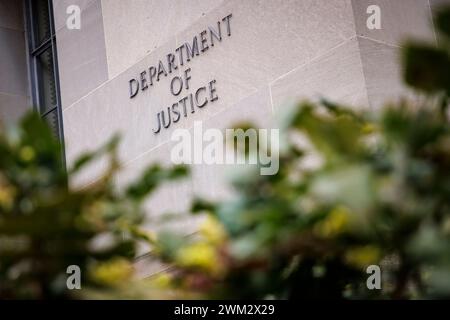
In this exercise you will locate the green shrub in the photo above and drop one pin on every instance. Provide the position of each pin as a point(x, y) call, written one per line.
point(46, 226)
point(379, 194)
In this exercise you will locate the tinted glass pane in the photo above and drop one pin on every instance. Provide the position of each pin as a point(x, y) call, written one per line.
point(42, 21)
point(46, 80)
point(52, 120)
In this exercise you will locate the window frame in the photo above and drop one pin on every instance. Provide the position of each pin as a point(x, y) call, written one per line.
point(34, 50)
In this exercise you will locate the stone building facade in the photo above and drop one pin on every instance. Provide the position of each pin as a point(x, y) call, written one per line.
point(115, 74)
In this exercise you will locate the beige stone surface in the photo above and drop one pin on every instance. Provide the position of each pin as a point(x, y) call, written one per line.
point(14, 88)
point(213, 181)
point(13, 63)
point(82, 56)
point(171, 198)
point(399, 20)
point(12, 107)
point(267, 41)
point(270, 38)
point(337, 76)
point(382, 73)
point(109, 110)
point(154, 22)
point(60, 10)
point(279, 51)
point(293, 49)
point(255, 109)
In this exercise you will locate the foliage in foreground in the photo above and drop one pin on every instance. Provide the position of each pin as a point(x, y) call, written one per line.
point(379, 193)
point(45, 227)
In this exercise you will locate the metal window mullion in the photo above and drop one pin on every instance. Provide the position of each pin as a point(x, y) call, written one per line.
point(33, 62)
point(34, 52)
point(57, 84)
point(50, 110)
point(35, 78)
point(42, 47)
point(51, 18)
point(32, 29)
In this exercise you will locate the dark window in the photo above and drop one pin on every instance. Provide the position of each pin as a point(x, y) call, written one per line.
point(43, 63)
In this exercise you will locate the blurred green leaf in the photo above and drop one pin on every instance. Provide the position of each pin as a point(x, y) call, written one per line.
point(442, 20)
point(426, 68)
